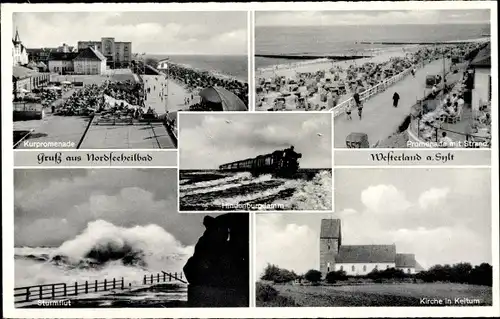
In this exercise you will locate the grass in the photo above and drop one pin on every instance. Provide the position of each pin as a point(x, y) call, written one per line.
point(404, 294)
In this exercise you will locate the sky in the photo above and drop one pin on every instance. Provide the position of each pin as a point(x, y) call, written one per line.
point(189, 33)
point(52, 206)
point(442, 215)
point(372, 17)
point(209, 140)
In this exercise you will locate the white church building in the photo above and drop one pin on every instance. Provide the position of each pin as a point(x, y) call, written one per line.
point(357, 260)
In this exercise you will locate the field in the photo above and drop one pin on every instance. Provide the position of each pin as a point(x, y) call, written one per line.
point(404, 294)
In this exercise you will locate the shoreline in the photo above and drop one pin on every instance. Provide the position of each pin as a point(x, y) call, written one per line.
point(215, 73)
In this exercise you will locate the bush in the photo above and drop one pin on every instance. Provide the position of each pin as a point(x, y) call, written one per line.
point(390, 273)
point(265, 292)
point(334, 276)
point(459, 273)
point(313, 276)
point(278, 275)
point(266, 295)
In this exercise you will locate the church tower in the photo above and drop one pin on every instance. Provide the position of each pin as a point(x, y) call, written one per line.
point(330, 241)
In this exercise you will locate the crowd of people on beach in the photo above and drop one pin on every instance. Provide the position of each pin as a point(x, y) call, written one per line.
point(324, 89)
point(109, 99)
point(196, 80)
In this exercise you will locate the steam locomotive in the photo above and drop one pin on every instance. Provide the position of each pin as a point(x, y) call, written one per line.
point(280, 163)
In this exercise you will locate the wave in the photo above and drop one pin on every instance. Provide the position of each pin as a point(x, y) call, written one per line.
point(197, 185)
point(312, 195)
point(223, 186)
point(102, 250)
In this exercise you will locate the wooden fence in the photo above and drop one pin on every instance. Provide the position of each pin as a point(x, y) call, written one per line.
point(67, 290)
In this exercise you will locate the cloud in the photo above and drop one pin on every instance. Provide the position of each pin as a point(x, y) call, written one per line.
point(392, 17)
point(151, 32)
point(288, 246)
point(211, 140)
point(384, 199)
point(432, 197)
point(54, 206)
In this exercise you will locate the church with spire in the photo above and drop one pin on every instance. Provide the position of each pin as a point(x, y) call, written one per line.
point(19, 52)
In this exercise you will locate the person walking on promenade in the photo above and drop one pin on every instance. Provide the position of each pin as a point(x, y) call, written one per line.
point(395, 99)
point(359, 105)
point(348, 111)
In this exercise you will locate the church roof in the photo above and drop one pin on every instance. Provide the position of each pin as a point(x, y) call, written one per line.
point(90, 54)
point(330, 228)
point(405, 260)
point(352, 254)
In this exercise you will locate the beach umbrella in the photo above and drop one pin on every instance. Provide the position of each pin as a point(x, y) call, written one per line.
point(228, 100)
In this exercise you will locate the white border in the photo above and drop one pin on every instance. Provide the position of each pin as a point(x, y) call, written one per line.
point(242, 113)
point(7, 181)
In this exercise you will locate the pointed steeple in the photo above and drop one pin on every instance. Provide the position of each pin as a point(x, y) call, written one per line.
point(17, 39)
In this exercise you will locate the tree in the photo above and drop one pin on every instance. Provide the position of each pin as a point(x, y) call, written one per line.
point(278, 275)
point(151, 62)
point(334, 276)
point(313, 276)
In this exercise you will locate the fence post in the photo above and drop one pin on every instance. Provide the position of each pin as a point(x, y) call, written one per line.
point(158, 277)
point(123, 283)
point(164, 277)
point(86, 287)
point(65, 291)
point(144, 280)
point(151, 278)
point(41, 292)
point(114, 283)
point(53, 291)
point(175, 275)
point(76, 288)
point(169, 277)
point(96, 288)
point(180, 275)
point(105, 285)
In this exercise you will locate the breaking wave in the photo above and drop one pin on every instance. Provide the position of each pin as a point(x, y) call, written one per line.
point(102, 250)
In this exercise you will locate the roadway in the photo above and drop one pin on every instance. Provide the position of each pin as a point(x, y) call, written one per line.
point(380, 118)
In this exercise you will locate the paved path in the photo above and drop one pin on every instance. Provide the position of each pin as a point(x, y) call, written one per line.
point(380, 118)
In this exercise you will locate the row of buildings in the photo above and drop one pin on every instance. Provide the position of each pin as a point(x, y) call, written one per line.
point(89, 57)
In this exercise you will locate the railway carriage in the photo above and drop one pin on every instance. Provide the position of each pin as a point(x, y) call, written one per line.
point(280, 162)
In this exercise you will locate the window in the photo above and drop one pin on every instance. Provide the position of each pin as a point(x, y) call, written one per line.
point(328, 247)
point(364, 267)
point(353, 268)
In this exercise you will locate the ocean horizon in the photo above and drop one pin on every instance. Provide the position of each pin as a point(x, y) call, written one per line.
point(346, 39)
point(231, 65)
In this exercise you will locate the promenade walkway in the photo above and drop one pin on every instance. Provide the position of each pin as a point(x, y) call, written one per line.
point(380, 118)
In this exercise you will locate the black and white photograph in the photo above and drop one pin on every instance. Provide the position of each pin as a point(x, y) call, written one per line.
point(255, 161)
point(393, 79)
point(118, 82)
point(93, 238)
point(398, 237)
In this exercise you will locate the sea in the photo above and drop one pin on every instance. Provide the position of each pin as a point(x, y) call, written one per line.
point(212, 190)
point(105, 251)
point(232, 65)
point(345, 39)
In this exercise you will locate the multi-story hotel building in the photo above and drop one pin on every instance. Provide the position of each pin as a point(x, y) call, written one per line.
point(118, 54)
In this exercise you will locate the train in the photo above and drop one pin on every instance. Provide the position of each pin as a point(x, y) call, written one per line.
point(281, 163)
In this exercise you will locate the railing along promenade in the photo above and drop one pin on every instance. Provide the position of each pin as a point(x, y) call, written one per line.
point(55, 291)
point(374, 90)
